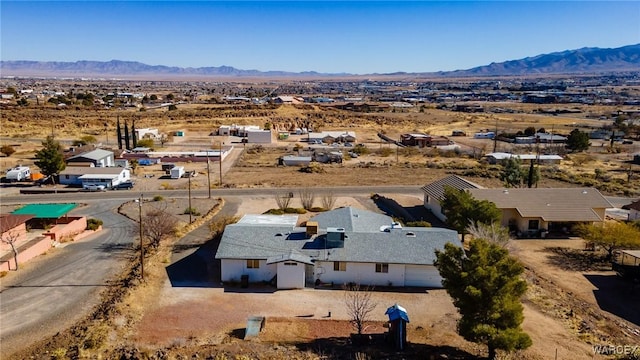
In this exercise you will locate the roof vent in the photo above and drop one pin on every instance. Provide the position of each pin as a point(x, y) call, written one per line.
point(505, 191)
point(411, 234)
point(279, 234)
point(584, 191)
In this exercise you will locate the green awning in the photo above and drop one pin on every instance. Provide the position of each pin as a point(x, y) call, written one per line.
point(45, 211)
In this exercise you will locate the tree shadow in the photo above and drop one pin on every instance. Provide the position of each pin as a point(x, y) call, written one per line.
point(380, 348)
point(617, 296)
point(406, 214)
point(576, 259)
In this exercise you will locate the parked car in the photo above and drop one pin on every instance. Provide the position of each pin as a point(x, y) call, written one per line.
point(126, 185)
point(94, 187)
point(627, 142)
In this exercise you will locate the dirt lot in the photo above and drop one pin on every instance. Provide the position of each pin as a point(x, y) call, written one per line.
point(562, 311)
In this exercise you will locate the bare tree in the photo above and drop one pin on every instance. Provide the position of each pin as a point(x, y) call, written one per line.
point(157, 225)
point(359, 305)
point(493, 233)
point(11, 237)
point(328, 201)
point(283, 201)
point(306, 198)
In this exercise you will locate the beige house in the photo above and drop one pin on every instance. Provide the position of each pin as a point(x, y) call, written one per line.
point(529, 212)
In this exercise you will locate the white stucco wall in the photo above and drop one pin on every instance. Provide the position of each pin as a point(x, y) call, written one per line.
point(233, 269)
point(360, 273)
point(434, 205)
point(634, 215)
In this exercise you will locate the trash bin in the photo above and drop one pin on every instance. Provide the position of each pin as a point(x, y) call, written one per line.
point(244, 281)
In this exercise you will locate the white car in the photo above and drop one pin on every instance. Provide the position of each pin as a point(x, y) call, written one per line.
point(94, 187)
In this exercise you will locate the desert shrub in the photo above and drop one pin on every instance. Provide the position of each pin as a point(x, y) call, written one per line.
point(93, 224)
point(158, 198)
point(361, 149)
point(581, 159)
point(274, 212)
point(385, 152)
point(410, 150)
point(317, 209)
point(166, 186)
point(7, 150)
point(148, 143)
point(191, 211)
point(295, 211)
point(312, 168)
point(421, 223)
point(59, 354)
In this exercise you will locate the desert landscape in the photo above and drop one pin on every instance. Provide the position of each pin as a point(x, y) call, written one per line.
point(565, 311)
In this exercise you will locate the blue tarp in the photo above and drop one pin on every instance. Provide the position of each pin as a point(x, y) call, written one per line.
point(397, 312)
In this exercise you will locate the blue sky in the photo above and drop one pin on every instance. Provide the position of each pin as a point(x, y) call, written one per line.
point(358, 37)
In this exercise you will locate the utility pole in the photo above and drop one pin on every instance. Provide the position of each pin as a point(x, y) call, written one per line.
point(141, 238)
point(220, 185)
point(495, 138)
point(208, 175)
point(190, 209)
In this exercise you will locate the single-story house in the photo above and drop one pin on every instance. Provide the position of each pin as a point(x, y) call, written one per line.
point(147, 133)
point(434, 192)
point(529, 211)
point(634, 210)
point(346, 245)
point(97, 157)
point(55, 218)
point(423, 140)
point(80, 176)
point(494, 158)
point(329, 137)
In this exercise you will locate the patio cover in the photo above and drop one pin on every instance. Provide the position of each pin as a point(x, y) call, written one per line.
point(45, 211)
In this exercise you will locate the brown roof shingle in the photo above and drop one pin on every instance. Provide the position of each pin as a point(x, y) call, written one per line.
point(436, 188)
point(550, 204)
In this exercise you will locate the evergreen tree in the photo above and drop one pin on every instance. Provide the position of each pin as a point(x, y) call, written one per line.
point(577, 141)
point(126, 136)
point(486, 287)
point(50, 158)
point(512, 173)
point(462, 210)
point(133, 133)
point(119, 133)
point(533, 175)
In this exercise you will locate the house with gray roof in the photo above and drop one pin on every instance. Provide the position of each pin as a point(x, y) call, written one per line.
point(82, 176)
point(341, 246)
point(97, 158)
point(529, 212)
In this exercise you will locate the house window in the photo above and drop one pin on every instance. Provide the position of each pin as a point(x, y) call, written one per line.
point(382, 268)
point(339, 266)
point(290, 264)
point(253, 264)
point(534, 224)
point(66, 176)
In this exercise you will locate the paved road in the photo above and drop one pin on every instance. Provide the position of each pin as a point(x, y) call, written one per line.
point(53, 292)
point(125, 195)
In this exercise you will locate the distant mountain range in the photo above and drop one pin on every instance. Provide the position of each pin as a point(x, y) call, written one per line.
point(585, 60)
